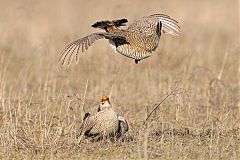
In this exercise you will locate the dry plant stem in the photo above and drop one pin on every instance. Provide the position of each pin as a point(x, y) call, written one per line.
point(223, 65)
point(84, 98)
point(83, 103)
point(158, 105)
point(239, 54)
point(239, 20)
point(145, 144)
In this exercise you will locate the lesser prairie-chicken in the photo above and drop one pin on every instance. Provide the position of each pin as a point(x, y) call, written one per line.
point(138, 41)
point(105, 123)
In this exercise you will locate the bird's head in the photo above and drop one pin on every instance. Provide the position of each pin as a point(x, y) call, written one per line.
point(104, 103)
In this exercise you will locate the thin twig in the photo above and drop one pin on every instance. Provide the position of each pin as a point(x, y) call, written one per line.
point(156, 106)
point(223, 65)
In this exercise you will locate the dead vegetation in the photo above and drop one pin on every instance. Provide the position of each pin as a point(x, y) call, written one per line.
point(42, 104)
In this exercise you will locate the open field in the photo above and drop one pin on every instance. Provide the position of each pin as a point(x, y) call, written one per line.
point(41, 102)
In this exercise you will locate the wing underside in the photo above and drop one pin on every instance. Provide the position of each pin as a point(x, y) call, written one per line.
point(78, 47)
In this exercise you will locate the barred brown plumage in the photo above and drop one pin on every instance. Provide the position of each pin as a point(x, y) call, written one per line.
point(138, 41)
point(105, 123)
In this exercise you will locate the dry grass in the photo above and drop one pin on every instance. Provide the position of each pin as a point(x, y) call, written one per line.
point(41, 102)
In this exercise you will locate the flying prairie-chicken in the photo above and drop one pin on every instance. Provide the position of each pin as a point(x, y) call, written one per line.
point(138, 41)
point(105, 123)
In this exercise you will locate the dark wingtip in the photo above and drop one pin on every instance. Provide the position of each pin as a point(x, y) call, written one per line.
point(86, 115)
point(105, 24)
point(101, 24)
point(120, 22)
point(99, 109)
point(159, 27)
point(124, 20)
point(97, 25)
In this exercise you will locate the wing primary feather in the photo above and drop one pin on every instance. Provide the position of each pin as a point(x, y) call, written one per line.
point(70, 56)
point(63, 54)
point(86, 44)
point(66, 52)
point(83, 43)
point(76, 57)
point(82, 48)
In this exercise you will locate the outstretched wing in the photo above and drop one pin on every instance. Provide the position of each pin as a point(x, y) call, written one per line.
point(71, 52)
point(148, 25)
point(80, 45)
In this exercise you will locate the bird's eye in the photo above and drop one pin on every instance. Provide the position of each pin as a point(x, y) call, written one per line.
point(102, 103)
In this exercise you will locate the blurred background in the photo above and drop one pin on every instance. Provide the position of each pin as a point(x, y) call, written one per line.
point(34, 32)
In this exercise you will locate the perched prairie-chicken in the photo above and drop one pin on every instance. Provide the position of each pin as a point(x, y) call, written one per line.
point(105, 123)
point(138, 41)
